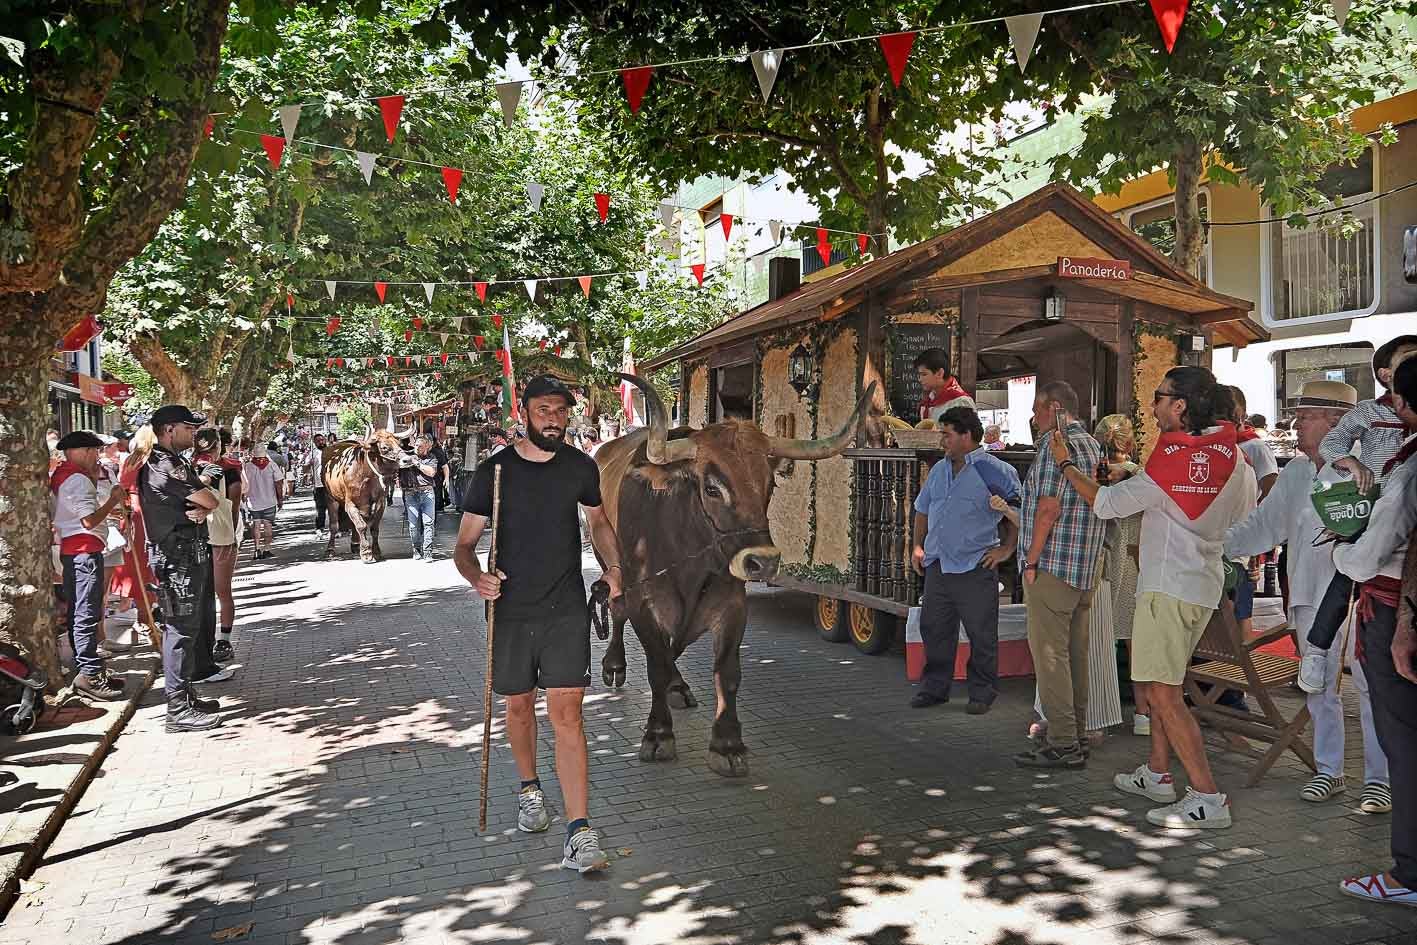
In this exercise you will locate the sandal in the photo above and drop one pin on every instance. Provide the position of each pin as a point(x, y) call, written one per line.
point(1376, 798)
point(1322, 787)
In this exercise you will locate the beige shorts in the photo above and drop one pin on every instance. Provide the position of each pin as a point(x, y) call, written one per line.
point(1165, 632)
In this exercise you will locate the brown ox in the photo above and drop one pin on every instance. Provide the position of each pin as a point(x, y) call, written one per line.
point(354, 472)
point(691, 514)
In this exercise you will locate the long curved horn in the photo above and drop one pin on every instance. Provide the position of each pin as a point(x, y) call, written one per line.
point(658, 449)
point(783, 448)
point(371, 429)
point(407, 433)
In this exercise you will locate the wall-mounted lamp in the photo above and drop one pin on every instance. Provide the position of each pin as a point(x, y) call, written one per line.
point(802, 371)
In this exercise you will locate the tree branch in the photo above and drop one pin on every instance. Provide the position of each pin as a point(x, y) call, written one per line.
point(762, 134)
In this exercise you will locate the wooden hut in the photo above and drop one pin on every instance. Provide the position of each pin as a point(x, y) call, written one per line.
point(1049, 286)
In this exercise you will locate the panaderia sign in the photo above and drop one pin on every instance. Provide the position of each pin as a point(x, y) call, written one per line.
point(1113, 270)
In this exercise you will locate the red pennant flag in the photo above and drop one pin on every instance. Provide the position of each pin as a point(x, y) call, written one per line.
point(636, 81)
point(861, 239)
point(698, 270)
point(452, 178)
point(824, 246)
point(339, 361)
point(558, 351)
point(331, 327)
point(481, 289)
point(380, 288)
point(407, 361)
point(1169, 15)
point(428, 360)
point(329, 363)
point(275, 147)
point(289, 301)
point(479, 341)
point(542, 344)
point(585, 284)
point(208, 127)
point(896, 46)
point(407, 336)
point(438, 375)
point(497, 321)
point(602, 205)
point(389, 359)
point(392, 108)
point(368, 362)
point(418, 324)
point(445, 358)
point(727, 220)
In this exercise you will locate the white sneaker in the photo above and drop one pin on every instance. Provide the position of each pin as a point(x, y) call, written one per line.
point(582, 852)
point(1313, 670)
point(221, 675)
point(1141, 724)
point(1193, 812)
point(1144, 782)
point(531, 810)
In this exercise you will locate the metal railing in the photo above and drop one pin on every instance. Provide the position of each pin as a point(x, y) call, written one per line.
point(1320, 271)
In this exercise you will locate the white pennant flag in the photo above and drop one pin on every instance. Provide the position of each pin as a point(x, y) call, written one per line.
point(510, 95)
point(428, 291)
point(775, 231)
point(534, 193)
point(366, 165)
point(443, 338)
point(666, 213)
point(1023, 33)
point(330, 288)
point(765, 66)
point(289, 118)
point(642, 277)
point(457, 324)
point(290, 354)
point(530, 288)
point(1340, 11)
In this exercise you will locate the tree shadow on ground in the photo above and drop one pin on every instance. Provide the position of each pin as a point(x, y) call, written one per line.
point(861, 822)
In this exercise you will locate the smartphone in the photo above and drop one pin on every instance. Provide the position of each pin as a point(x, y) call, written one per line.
point(1058, 419)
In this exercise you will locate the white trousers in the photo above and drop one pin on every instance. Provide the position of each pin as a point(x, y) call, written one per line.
point(1326, 707)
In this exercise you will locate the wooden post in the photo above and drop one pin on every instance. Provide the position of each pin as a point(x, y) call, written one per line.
point(969, 338)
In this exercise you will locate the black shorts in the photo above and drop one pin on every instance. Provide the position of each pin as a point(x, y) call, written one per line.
point(551, 652)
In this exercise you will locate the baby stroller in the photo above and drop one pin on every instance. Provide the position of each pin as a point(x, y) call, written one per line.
point(24, 685)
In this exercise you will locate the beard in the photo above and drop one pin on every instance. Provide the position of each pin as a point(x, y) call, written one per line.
point(544, 441)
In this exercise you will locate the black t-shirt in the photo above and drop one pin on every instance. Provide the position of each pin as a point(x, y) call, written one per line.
point(538, 532)
point(411, 477)
point(164, 484)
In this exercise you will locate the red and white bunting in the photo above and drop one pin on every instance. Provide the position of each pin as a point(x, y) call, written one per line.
point(444, 358)
point(530, 285)
point(330, 289)
point(534, 193)
point(1023, 34)
point(824, 246)
point(289, 119)
point(391, 107)
point(896, 47)
point(509, 94)
point(642, 277)
point(479, 341)
point(417, 323)
point(332, 326)
point(481, 289)
point(275, 147)
point(452, 180)
point(861, 240)
point(428, 291)
point(726, 221)
point(1340, 13)
point(496, 321)
point(602, 205)
point(366, 165)
point(542, 344)
point(209, 127)
point(698, 270)
point(381, 289)
point(636, 82)
point(666, 213)
point(1170, 14)
point(765, 65)
point(585, 284)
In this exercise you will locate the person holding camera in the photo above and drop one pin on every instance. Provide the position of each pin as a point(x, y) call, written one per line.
point(958, 549)
point(418, 477)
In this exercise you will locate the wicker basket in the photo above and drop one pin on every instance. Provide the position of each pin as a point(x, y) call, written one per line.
point(918, 439)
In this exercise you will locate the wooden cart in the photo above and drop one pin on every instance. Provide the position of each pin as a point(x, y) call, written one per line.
point(1049, 287)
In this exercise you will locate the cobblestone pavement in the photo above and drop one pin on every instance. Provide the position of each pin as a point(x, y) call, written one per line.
point(339, 803)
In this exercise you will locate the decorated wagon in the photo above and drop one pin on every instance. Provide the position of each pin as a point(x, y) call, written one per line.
point(1049, 287)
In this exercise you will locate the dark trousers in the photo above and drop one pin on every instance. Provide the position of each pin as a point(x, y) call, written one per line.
point(1395, 719)
point(83, 589)
point(203, 665)
point(971, 598)
point(1333, 610)
point(183, 571)
point(319, 508)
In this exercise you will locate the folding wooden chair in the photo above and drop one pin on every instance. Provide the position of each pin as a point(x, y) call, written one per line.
point(1231, 662)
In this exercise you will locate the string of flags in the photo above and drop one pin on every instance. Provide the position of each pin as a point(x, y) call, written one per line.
point(895, 46)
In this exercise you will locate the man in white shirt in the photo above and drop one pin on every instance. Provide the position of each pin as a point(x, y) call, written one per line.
point(1195, 486)
point(263, 484)
point(315, 468)
point(1287, 516)
point(1389, 650)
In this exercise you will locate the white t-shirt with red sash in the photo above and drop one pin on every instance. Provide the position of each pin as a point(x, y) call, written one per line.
point(1193, 489)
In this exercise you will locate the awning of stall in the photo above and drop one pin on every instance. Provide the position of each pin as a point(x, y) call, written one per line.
point(438, 409)
point(1012, 244)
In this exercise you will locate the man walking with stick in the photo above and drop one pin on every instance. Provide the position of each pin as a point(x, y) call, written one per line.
point(542, 629)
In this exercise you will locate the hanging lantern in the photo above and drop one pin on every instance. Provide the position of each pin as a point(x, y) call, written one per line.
point(801, 371)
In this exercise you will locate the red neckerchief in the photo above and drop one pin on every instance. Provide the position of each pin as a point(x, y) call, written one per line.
point(230, 462)
point(1403, 455)
point(1193, 469)
point(944, 395)
point(260, 462)
point(202, 458)
point(1246, 433)
point(63, 471)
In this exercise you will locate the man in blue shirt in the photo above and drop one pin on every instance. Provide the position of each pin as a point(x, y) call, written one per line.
point(958, 547)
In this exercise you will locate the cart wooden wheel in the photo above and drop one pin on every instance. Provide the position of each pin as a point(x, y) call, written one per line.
point(871, 630)
point(830, 618)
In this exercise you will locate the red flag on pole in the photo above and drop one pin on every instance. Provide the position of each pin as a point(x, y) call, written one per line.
point(391, 106)
point(636, 82)
point(509, 382)
point(896, 47)
point(275, 147)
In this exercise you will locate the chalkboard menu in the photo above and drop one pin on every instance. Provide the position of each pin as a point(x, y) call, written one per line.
point(907, 341)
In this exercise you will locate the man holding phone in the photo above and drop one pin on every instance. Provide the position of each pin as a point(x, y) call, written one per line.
point(1060, 544)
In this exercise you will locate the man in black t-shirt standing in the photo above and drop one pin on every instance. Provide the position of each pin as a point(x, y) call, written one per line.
point(418, 477)
point(542, 637)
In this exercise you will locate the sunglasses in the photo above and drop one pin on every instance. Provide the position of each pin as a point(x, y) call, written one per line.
point(1158, 395)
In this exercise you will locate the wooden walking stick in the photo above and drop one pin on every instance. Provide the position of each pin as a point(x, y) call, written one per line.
point(491, 624)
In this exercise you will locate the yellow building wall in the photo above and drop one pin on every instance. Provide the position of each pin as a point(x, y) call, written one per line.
point(1155, 355)
point(835, 403)
point(698, 397)
point(1235, 250)
point(790, 511)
